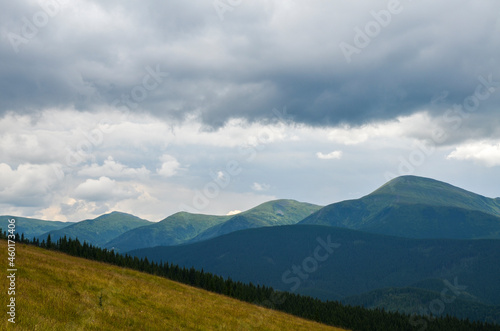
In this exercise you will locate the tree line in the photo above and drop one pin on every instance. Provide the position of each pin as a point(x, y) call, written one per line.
point(329, 312)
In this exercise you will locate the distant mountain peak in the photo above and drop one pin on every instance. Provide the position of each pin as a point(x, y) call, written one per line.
point(417, 188)
point(106, 217)
point(411, 180)
point(118, 212)
point(415, 206)
point(114, 212)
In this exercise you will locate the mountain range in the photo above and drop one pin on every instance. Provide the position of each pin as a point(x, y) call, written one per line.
point(407, 206)
point(186, 227)
point(173, 230)
point(396, 248)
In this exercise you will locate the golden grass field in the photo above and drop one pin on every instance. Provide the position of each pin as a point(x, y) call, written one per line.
point(55, 291)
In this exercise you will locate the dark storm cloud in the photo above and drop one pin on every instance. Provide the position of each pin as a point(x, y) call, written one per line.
point(263, 55)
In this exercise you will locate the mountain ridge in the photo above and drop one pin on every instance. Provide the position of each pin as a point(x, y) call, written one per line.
point(431, 191)
point(406, 206)
point(31, 227)
point(99, 230)
point(428, 203)
point(271, 213)
point(184, 227)
point(173, 230)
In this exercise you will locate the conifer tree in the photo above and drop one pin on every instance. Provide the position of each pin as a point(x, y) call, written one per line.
point(49, 242)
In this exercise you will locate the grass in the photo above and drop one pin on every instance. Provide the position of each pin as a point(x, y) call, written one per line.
point(55, 291)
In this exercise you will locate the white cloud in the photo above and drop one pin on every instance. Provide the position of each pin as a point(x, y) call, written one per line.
point(29, 184)
point(260, 187)
point(103, 189)
point(418, 125)
point(114, 174)
point(258, 59)
point(113, 169)
point(169, 166)
point(487, 153)
point(335, 155)
point(51, 213)
point(233, 212)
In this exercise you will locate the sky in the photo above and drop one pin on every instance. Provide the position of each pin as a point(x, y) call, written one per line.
point(214, 107)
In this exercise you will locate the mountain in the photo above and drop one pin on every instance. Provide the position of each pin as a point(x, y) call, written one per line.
point(31, 227)
point(271, 213)
point(426, 221)
point(413, 189)
point(100, 230)
point(173, 230)
point(185, 227)
point(416, 207)
point(335, 263)
point(62, 292)
point(410, 300)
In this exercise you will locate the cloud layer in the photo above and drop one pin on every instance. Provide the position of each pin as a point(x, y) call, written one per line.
point(179, 59)
point(152, 107)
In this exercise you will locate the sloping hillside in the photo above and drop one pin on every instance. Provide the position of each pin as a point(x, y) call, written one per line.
point(334, 263)
point(100, 230)
point(410, 300)
point(186, 227)
point(55, 291)
point(173, 230)
point(271, 213)
point(416, 207)
point(32, 227)
point(414, 189)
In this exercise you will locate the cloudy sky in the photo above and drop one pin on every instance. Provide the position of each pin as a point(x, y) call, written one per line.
point(153, 107)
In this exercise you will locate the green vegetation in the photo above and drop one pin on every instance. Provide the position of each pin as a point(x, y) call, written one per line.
point(56, 291)
point(427, 221)
point(162, 310)
point(411, 300)
point(416, 207)
point(363, 262)
point(100, 230)
point(271, 213)
point(173, 230)
point(270, 244)
point(185, 227)
point(413, 189)
point(32, 227)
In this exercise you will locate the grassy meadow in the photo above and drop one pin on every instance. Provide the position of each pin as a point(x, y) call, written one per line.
point(55, 291)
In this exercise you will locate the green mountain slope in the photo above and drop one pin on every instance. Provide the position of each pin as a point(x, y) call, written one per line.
point(100, 230)
point(31, 227)
point(416, 207)
point(173, 230)
point(413, 189)
point(185, 227)
point(55, 291)
point(427, 221)
point(271, 213)
point(410, 300)
point(294, 258)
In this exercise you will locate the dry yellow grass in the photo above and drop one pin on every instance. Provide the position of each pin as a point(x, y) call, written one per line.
point(55, 291)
